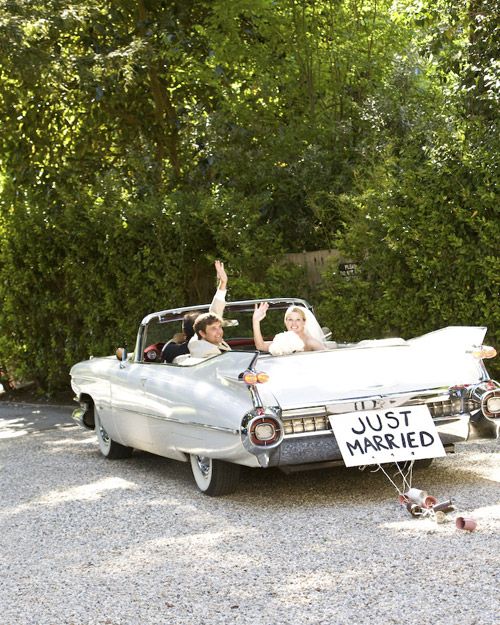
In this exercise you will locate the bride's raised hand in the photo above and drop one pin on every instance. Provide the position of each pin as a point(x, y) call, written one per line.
point(260, 311)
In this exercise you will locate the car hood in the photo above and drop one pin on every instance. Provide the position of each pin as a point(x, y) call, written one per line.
point(440, 359)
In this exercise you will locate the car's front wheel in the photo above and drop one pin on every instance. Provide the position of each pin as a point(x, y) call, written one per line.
point(215, 477)
point(109, 448)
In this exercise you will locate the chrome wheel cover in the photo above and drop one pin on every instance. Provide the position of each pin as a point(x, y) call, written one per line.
point(102, 436)
point(204, 465)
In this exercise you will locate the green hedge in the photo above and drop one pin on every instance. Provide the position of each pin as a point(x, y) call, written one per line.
point(426, 247)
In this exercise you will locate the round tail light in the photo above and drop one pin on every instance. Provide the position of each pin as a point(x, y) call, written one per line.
point(265, 431)
point(490, 403)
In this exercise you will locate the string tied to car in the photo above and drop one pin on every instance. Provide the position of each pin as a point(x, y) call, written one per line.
point(416, 501)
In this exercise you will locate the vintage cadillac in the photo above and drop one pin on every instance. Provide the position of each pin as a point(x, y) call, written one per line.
point(368, 403)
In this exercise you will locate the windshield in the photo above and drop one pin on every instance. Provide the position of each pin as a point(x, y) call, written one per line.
point(163, 327)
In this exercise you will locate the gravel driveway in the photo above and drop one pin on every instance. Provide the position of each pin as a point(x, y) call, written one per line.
point(88, 541)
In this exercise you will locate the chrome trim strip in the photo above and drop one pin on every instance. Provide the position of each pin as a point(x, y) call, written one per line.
point(310, 411)
point(204, 426)
point(455, 417)
point(406, 398)
point(438, 404)
point(438, 421)
point(327, 432)
point(419, 399)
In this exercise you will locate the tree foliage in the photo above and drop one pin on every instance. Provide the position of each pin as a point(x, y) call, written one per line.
point(141, 140)
point(425, 237)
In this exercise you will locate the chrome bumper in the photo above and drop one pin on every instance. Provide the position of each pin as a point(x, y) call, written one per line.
point(322, 446)
point(308, 436)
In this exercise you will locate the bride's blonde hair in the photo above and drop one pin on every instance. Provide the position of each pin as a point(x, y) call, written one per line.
point(297, 309)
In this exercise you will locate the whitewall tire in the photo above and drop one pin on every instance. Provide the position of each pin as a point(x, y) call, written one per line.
point(214, 477)
point(109, 448)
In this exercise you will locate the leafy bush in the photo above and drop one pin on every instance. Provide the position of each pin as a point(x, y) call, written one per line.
point(426, 247)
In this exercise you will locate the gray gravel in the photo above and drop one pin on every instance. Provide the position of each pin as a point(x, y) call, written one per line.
point(87, 541)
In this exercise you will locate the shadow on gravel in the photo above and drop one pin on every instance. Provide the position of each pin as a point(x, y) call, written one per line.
point(271, 487)
point(265, 488)
point(136, 542)
point(19, 419)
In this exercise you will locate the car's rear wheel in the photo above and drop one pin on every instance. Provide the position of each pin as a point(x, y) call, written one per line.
point(215, 477)
point(109, 448)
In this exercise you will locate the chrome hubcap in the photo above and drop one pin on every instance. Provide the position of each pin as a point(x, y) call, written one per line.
point(203, 465)
point(103, 434)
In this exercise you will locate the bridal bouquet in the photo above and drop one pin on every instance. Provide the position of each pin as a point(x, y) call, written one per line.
point(286, 343)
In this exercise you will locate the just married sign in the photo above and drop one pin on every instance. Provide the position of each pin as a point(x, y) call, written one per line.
point(379, 436)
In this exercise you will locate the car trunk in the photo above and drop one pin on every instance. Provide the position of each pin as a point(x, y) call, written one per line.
point(370, 368)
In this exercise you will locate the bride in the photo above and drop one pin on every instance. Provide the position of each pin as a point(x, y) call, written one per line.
point(303, 332)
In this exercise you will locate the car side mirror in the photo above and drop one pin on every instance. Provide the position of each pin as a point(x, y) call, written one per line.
point(121, 354)
point(327, 333)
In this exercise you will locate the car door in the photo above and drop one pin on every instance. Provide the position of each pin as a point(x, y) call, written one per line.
point(168, 405)
point(128, 404)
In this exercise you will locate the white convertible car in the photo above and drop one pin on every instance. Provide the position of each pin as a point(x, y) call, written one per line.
point(373, 402)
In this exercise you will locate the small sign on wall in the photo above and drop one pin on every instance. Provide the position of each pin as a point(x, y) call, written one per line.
point(380, 436)
point(347, 269)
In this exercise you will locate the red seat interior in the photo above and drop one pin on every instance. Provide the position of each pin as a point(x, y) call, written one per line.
point(241, 342)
